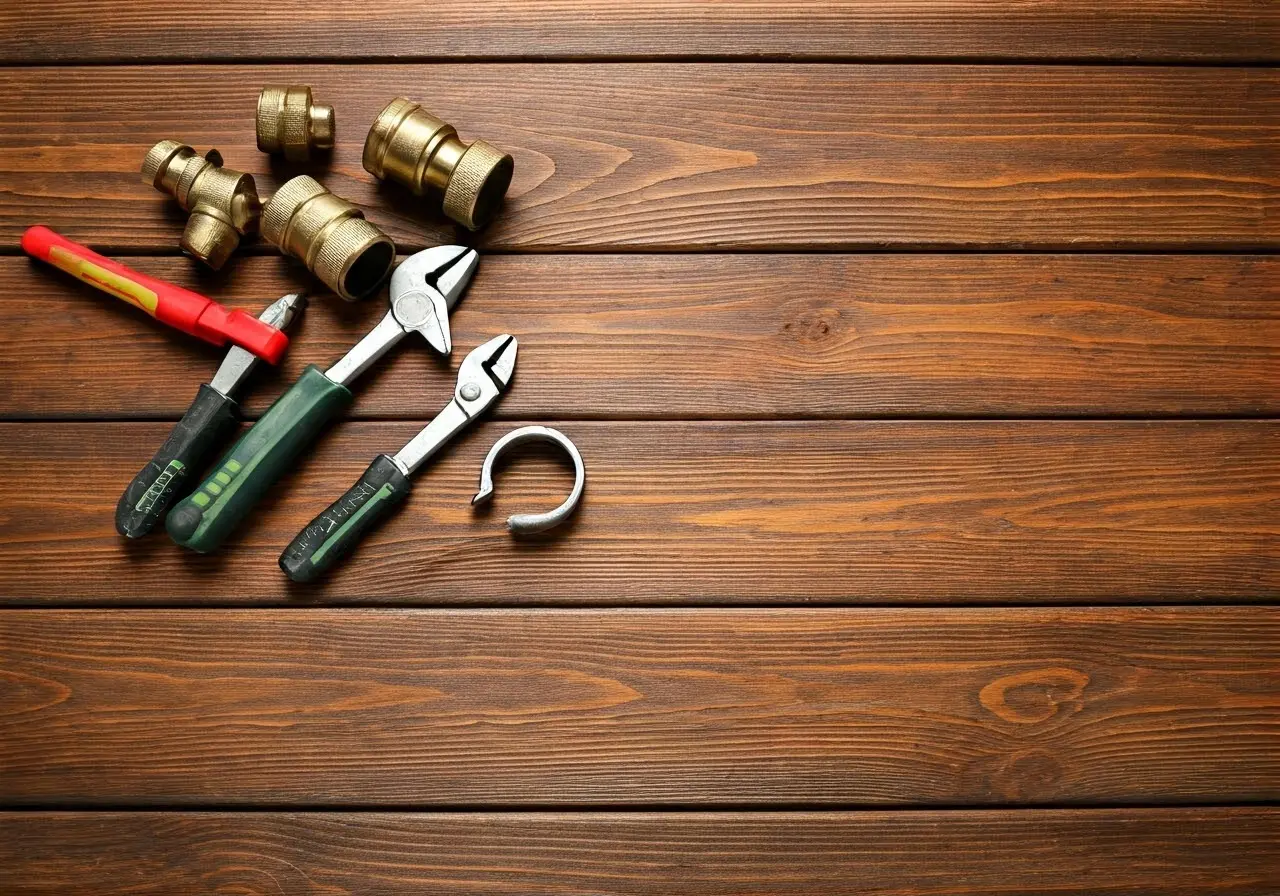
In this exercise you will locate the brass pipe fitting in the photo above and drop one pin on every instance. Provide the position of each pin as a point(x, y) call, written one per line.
point(330, 236)
point(289, 122)
point(409, 145)
point(223, 203)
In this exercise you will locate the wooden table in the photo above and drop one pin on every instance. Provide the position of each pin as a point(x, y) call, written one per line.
point(925, 355)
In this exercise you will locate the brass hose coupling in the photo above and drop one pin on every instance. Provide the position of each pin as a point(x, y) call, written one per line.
point(288, 122)
point(330, 236)
point(223, 203)
point(409, 145)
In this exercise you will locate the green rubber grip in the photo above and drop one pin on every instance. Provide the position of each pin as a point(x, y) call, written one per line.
point(333, 534)
point(204, 519)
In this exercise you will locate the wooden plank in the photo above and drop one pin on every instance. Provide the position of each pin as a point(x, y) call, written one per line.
point(754, 335)
point(1153, 852)
point(142, 30)
point(679, 157)
point(700, 512)
point(605, 707)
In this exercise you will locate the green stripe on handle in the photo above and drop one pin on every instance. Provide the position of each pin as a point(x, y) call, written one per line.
point(192, 443)
point(203, 520)
point(333, 534)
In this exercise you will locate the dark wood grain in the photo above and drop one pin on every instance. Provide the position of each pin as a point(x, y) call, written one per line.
point(700, 512)
point(706, 707)
point(141, 30)
point(692, 157)
point(716, 395)
point(730, 336)
point(1152, 852)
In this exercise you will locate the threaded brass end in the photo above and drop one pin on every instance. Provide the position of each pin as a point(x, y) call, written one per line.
point(158, 168)
point(289, 122)
point(479, 181)
point(330, 236)
point(323, 127)
point(223, 203)
point(409, 145)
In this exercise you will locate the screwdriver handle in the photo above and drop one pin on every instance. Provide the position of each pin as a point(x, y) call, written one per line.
point(333, 534)
point(204, 519)
point(180, 308)
point(183, 455)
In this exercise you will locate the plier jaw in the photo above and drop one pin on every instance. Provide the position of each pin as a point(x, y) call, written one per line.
point(483, 376)
point(485, 373)
point(423, 289)
point(426, 285)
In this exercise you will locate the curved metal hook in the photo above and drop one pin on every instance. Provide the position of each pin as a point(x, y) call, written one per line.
point(529, 523)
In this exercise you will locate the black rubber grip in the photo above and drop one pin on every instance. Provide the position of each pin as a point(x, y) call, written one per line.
point(173, 471)
point(331, 536)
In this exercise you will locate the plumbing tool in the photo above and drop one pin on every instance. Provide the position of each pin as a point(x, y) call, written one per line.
point(483, 376)
point(191, 443)
point(188, 311)
point(423, 289)
point(531, 523)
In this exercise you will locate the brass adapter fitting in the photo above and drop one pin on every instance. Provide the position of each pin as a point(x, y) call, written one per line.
point(409, 145)
point(288, 122)
point(330, 236)
point(223, 203)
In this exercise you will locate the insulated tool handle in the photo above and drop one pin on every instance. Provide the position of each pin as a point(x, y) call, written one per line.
point(204, 519)
point(184, 454)
point(332, 535)
point(181, 308)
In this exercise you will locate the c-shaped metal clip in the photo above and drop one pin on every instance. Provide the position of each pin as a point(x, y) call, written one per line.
point(529, 523)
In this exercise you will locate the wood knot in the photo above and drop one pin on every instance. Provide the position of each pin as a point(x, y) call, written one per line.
point(1034, 774)
point(21, 693)
point(1035, 696)
point(813, 326)
point(1030, 775)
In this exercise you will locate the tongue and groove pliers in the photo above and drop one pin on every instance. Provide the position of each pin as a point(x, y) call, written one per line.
point(423, 289)
point(482, 378)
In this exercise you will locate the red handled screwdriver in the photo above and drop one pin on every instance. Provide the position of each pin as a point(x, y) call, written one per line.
point(188, 311)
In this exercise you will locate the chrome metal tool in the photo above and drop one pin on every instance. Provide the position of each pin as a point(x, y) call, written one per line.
point(484, 375)
point(423, 289)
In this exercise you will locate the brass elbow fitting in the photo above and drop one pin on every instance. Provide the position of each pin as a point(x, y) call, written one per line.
point(409, 145)
point(330, 236)
point(288, 122)
point(223, 203)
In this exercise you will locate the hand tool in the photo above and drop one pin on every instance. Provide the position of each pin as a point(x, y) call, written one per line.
point(181, 308)
point(203, 427)
point(423, 289)
point(530, 523)
point(223, 203)
point(483, 376)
